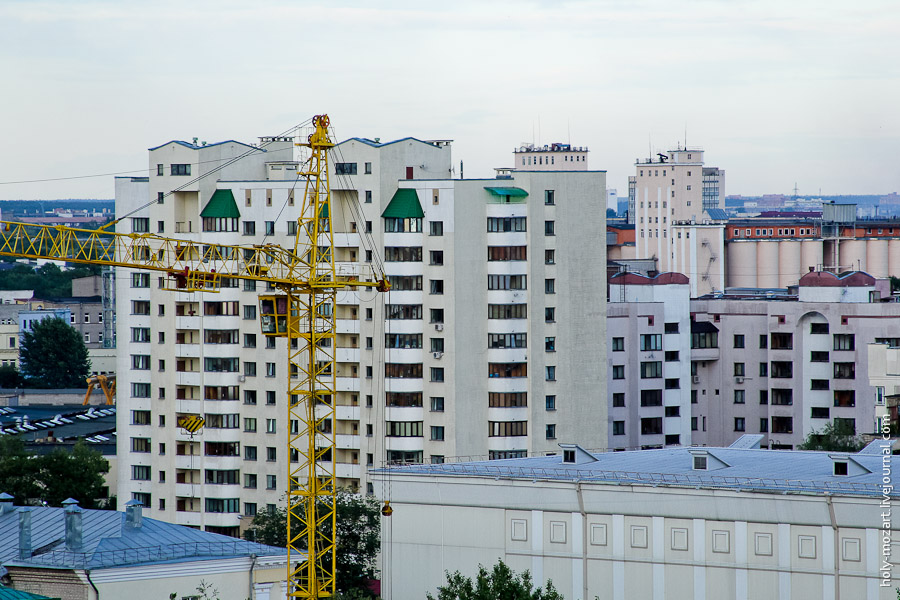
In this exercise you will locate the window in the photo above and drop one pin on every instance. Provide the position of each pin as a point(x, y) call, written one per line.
point(403, 283)
point(403, 311)
point(437, 374)
point(782, 369)
point(845, 398)
point(504, 224)
point(506, 253)
point(403, 254)
point(651, 341)
point(550, 430)
point(403, 429)
point(670, 328)
point(819, 384)
point(413, 399)
point(437, 315)
point(249, 424)
point(818, 356)
point(181, 170)
point(271, 454)
point(270, 369)
point(673, 383)
point(140, 472)
point(549, 228)
point(140, 334)
point(507, 311)
point(651, 369)
point(549, 257)
point(249, 312)
point(437, 433)
point(549, 197)
point(818, 328)
point(402, 225)
point(140, 362)
point(673, 411)
point(271, 482)
point(738, 341)
point(437, 404)
point(141, 445)
point(403, 340)
point(763, 341)
point(651, 398)
point(618, 372)
point(782, 341)
point(436, 228)
point(844, 341)
point(345, 168)
point(671, 356)
point(436, 257)
point(437, 286)
point(507, 282)
point(550, 373)
point(740, 396)
point(140, 280)
point(652, 426)
point(549, 286)
point(618, 427)
point(845, 370)
point(368, 168)
point(140, 417)
point(507, 370)
point(507, 340)
point(292, 227)
point(139, 307)
point(739, 370)
point(707, 339)
point(782, 396)
point(739, 424)
point(507, 399)
point(782, 425)
point(507, 428)
point(618, 344)
point(549, 344)
point(140, 390)
point(820, 412)
point(549, 402)
point(550, 314)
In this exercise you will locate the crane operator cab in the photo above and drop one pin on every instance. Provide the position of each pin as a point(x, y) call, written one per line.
point(273, 315)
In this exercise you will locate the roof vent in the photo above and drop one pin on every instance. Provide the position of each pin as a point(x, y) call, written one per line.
point(74, 529)
point(25, 549)
point(6, 503)
point(573, 454)
point(133, 514)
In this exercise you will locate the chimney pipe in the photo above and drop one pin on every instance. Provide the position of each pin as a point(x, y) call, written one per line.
point(6, 503)
point(25, 549)
point(133, 514)
point(73, 525)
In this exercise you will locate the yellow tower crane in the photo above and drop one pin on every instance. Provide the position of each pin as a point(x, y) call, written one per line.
point(304, 309)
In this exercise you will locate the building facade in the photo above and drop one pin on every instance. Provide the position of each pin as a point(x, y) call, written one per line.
point(550, 157)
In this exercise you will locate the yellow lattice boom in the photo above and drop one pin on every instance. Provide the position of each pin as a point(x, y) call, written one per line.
point(304, 309)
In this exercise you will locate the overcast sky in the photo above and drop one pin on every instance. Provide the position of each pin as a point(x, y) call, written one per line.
point(777, 92)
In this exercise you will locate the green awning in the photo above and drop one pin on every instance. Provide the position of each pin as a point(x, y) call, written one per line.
point(507, 191)
point(404, 205)
point(221, 206)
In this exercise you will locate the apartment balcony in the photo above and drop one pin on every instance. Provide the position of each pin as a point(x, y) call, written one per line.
point(222, 463)
point(347, 355)
point(347, 326)
point(188, 490)
point(347, 384)
point(347, 471)
point(188, 378)
point(408, 443)
point(211, 434)
point(187, 322)
point(346, 413)
point(187, 350)
point(704, 354)
point(188, 462)
point(516, 413)
point(344, 441)
point(188, 518)
point(404, 413)
point(211, 490)
point(222, 519)
point(507, 355)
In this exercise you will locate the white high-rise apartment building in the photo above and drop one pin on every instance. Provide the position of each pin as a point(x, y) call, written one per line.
point(679, 218)
point(487, 344)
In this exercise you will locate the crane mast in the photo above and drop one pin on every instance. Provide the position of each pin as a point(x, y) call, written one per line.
point(303, 312)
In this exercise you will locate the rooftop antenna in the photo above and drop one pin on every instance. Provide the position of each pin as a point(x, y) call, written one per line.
point(685, 135)
point(569, 130)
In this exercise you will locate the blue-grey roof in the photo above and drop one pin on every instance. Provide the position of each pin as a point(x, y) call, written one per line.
point(196, 147)
point(375, 144)
point(717, 214)
point(34, 421)
point(747, 469)
point(107, 541)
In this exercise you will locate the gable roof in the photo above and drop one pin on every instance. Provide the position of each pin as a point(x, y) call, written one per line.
point(222, 206)
point(107, 541)
point(195, 147)
point(829, 279)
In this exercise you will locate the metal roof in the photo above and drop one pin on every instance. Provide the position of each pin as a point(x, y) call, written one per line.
point(404, 205)
point(221, 205)
point(749, 469)
point(109, 542)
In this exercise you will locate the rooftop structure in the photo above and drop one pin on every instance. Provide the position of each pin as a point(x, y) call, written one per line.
point(550, 157)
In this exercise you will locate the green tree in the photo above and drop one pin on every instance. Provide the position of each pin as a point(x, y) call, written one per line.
point(47, 281)
point(835, 436)
point(501, 582)
point(53, 477)
point(53, 355)
point(9, 376)
point(358, 538)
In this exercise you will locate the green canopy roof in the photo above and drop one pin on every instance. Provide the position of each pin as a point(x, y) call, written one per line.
point(404, 205)
point(507, 191)
point(11, 594)
point(221, 206)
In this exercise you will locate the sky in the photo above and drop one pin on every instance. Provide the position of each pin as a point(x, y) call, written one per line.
point(778, 93)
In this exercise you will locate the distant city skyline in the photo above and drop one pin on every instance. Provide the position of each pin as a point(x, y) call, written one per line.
point(777, 94)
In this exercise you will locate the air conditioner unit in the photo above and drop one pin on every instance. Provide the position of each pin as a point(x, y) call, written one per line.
point(695, 379)
point(242, 378)
point(437, 354)
point(739, 379)
point(439, 326)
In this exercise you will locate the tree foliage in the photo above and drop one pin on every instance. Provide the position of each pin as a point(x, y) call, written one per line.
point(10, 376)
point(358, 539)
point(835, 436)
point(500, 583)
point(53, 355)
point(47, 281)
point(51, 478)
